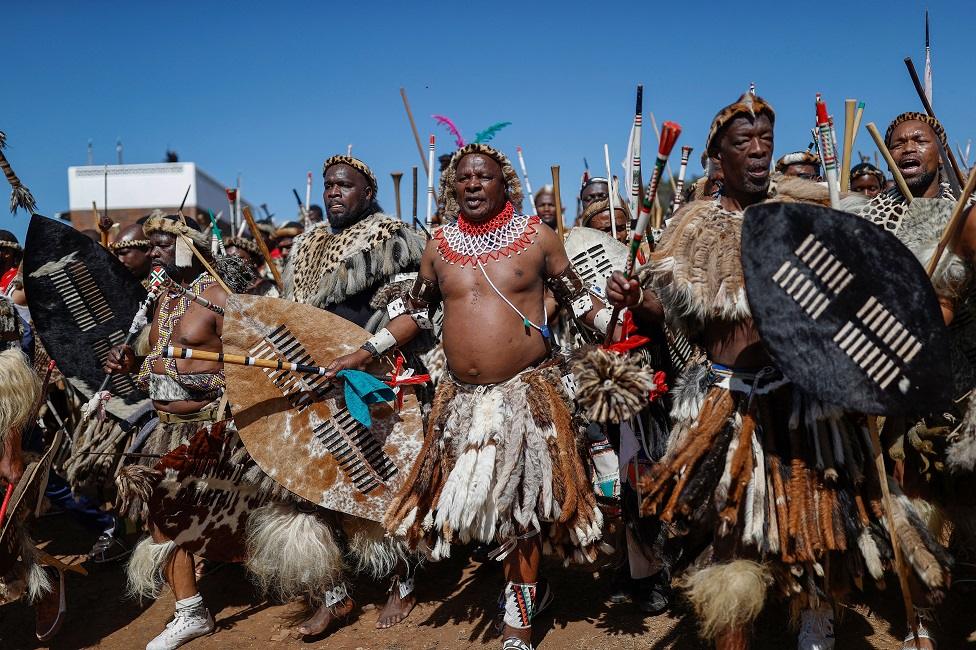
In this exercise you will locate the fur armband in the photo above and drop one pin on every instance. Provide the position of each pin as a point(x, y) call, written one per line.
point(569, 291)
point(380, 342)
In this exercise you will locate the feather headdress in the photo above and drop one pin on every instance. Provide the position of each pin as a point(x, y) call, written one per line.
point(485, 136)
point(451, 127)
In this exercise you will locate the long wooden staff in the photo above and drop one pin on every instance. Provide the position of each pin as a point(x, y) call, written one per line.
point(413, 127)
point(892, 166)
point(259, 240)
point(560, 226)
point(900, 569)
point(174, 352)
point(945, 151)
point(397, 176)
point(955, 223)
point(669, 136)
point(845, 171)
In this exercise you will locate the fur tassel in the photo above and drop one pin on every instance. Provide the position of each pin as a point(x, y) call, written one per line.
point(871, 554)
point(144, 572)
point(961, 451)
point(372, 551)
point(238, 274)
point(292, 554)
point(727, 595)
point(135, 483)
point(611, 387)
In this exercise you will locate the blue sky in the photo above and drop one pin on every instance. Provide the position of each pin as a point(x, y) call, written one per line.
point(269, 90)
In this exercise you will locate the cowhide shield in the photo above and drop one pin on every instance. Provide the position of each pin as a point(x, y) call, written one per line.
point(82, 301)
point(202, 500)
point(24, 500)
point(845, 310)
point(595, 255)
point(296, 427)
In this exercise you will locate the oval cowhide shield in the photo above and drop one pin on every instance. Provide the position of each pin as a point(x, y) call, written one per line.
point(296, 426)
point(82, 301)
point(845, 310)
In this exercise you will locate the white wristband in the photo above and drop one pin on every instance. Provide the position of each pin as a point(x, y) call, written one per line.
point(602, 320)
point(381, 342)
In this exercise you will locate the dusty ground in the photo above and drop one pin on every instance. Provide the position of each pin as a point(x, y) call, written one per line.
point(456, 611)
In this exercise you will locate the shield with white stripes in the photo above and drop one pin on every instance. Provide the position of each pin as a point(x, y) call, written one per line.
point(845, 310)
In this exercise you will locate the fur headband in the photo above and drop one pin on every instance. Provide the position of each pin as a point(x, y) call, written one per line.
point(129, 243)
point(447, 203)
point(288, 231)
point(867, 169)
point(10, 244)
point(748, 104)
point(356, 164)
point(599, 207)
point(170, 226)
point(933, 123)
point(797, 158)
point(248, 245)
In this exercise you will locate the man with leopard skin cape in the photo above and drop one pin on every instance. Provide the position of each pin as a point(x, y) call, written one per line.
point(775, 522)
point(353, 265)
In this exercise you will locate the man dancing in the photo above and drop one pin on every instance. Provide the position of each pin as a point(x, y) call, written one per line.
point(186, 394)
point(345, 265)
point(500, 460)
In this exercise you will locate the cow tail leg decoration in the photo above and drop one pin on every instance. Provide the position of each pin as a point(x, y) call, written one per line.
point(727, 595)
point(292, 552)
point(372, 551)
point(145, 569)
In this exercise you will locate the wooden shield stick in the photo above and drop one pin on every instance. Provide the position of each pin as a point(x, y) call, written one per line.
point(560, 227)
point(397, 176)
point(265, 253)
point(950, 159)
point(892, 166)
point(413, 127)
point(845, 172)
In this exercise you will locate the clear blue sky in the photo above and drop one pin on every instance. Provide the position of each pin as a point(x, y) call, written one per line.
point(271, 89)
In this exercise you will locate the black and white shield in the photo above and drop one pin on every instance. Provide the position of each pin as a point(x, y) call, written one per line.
point(845, 310)
point(82, 301)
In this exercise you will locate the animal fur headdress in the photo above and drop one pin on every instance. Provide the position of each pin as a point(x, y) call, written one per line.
point(599, 207)
point(129, 241)
point(447, 203)
point(918, 117)
point(172, 225)
point(797, 158)
point(290, 229)
point(356, 164)
point(867, 169)
point(749, 104)
point(248, 245)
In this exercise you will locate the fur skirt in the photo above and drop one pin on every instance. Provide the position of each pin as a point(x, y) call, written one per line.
point(499, 462)
point(786, 485)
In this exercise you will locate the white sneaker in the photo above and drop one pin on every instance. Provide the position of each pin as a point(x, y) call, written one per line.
point(816, 629)
point(185, 626)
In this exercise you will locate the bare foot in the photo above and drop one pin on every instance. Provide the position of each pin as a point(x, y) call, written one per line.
point(323, 617)
point(396, 608)
point(923, 643)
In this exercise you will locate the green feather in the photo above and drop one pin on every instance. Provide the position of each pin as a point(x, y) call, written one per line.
point(489, 133)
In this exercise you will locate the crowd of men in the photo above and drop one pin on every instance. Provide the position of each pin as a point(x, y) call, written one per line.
point(719, 480)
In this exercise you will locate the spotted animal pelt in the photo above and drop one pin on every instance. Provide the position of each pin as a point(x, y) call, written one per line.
point(325, 268)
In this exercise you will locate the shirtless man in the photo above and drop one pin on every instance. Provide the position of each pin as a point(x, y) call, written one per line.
point(186, 395)
point(497, 343)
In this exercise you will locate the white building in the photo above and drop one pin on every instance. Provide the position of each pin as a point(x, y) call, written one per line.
point(136, 190)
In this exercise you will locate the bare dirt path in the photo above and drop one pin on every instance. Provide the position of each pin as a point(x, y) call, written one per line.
point(456, 611)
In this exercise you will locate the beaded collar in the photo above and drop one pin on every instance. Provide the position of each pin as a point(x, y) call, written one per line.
point(465, 243)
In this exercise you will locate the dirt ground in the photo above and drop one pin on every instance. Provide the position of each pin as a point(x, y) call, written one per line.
point(456, 611)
